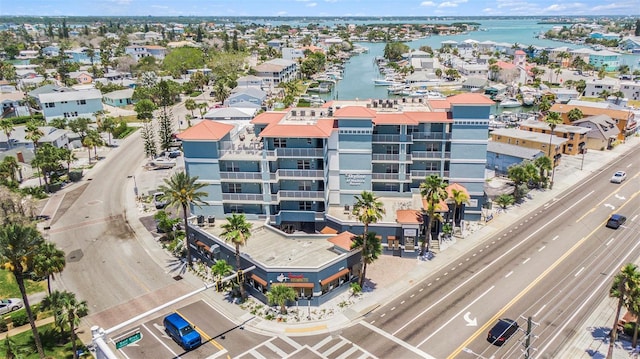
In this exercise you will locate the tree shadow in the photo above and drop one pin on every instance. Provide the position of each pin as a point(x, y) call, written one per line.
point(177, 267)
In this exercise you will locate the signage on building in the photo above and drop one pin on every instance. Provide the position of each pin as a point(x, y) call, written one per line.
point(293, 278)
point(354, 179)
point(410, 232)
point(473, 203)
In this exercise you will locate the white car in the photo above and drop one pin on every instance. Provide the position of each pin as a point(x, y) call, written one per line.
point(10, 305)
point(618, 177)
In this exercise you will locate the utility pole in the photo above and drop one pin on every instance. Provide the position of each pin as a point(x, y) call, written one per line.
point(527, 338)
point(584, 150)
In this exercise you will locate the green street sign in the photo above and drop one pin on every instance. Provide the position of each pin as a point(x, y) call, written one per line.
point(129, 340)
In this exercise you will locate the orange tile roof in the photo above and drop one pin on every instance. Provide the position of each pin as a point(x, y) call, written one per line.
point(394, 118)
point(592, 111)
point(268, 117)
point(470, 99)
point(505, 65)
point(206, 130)
point(441, 207)
point(408, 216)
point(328, 230)
point(321, 129)
point(354, 112)
point(343, 240)
point(456, 186)
point(423, 117)
point(440, 104)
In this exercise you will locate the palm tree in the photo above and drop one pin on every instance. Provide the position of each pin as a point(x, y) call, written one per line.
point(553, 119)
point(18, 246)
point(504, 200)
point(459, 197)
point(280, 294)
point(623, 283)
point(88, 142)
point(237, 231)
point(6, 125)
point(48, 261)
point(68, 311)
point(220, 269)
point(182, 190)
point(368, 209)
point(604, 94)
point(34, 134)
point(433, 190)
point(373, 250)
point(108, 125)
point(633, 305)
point(544, 105)
point(575, 114)
point(190, 105)
point(544, 165)
point(96, 140)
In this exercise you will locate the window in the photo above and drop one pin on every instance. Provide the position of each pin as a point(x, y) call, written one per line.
point(280, 142)
point(304, 164)
point(49, 105)
point(304, 186)
point(232, 167)
point(81, 102)
point(305, 206)
point(235, 188)
point(392, 150)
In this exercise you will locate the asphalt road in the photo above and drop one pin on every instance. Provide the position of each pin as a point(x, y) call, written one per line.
point(554, 266)
point(105, 264)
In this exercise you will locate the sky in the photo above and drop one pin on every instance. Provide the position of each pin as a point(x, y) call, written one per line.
point(335, 8)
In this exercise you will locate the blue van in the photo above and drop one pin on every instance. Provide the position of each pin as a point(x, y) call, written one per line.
point(181, 331)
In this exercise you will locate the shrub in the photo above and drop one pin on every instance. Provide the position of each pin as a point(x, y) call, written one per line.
point(19, 318)
point(75, 176)
point(3, 325)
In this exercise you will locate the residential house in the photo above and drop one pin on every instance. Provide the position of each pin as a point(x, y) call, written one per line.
point(625, 119)
point(11, 104)
point(276, 71)
point(56, 137)
point(81, 56)
point(290, 53)
point(276, 44)
point(250, 81)
point(119, 98)
point(631, 90)
point(631, 44)
point(603, 131)
point(82, 77)
point(575, 135)
point(70, 104)
point(595, 87)
point(609, 59)
point(231, 114)
point(564, 95)
point(140, 51)
point(246, 94)
point(501, 156)
point(533, 140)
point(474, 84)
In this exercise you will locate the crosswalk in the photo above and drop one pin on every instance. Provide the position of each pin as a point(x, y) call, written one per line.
point(330, 347)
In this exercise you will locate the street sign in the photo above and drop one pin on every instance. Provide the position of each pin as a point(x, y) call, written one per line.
point(134, 337)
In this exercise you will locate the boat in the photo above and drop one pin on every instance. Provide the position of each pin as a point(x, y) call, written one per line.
point(510, 102)
point(528, 100)
point(397, 89)
point(161, 164)
point(387, 81)
point(432, 95)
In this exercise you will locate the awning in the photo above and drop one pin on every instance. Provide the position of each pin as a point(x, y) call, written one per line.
point(203, 246)
point(334, 277)
point(391, 238)
point(259, 280)
point(295, 284)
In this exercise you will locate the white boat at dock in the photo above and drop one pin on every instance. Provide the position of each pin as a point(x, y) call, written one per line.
point(387, 81)
point(510, 102)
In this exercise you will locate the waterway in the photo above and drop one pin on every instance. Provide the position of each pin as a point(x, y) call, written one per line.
point(360, 70)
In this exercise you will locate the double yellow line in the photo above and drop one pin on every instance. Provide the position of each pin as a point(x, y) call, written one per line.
point(203, 334)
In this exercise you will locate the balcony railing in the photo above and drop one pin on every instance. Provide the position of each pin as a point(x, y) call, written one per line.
point(431, 136)
point(245, 153)
point(302, 174)
point(430, 154)
point(300, 152)
point(425, 173)
point(385, 176)
point(257, 176)
point(385, 157)
point(391, 138)
point(312, 195)
point(256, 197)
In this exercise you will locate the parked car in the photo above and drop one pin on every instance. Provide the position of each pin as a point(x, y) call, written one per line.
point(502, 331)
point(619, 176)
point(616, 221)
point(174, 154)
point(158, 200)
point(181, 331)
point(10, 305)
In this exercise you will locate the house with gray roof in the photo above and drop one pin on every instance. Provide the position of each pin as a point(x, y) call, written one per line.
point(603, 131)
point(276, 71)
point(246, 94)
point(230, 114)
point(501, 156)
point(119, 98)
point(71, 104)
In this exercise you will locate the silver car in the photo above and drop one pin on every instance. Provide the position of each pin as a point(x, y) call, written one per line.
point(618, 177)
point(10, 305)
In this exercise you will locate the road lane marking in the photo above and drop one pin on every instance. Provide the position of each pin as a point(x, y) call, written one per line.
point(175, 355)
point(486, 267)
point(634, 218)
point(609, 241)
point(533, 284)
point(526, 260)
point(397, 341)
point(586, 214)
point(578, 272)
point(541, 248)
point(554, 238)
point(539, 310)
point(455, 316)
point(204, 335)
point(508, 274)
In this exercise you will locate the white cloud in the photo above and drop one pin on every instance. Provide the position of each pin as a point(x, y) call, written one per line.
point(564, 7)
point(612, 6)
point(281, 13)
point(427, 3)
point(332, 1)
point(448, 4)
point(312, 4)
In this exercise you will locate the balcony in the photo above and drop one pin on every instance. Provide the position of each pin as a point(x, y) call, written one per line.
point(245, 153)
point(430, 154)
point(385, 157)
point(385, 176)
point(241, 176)
point(301, 195)
point(391, 138)
point(298, 174)
point(239, 197)
point(424, 173)
point(300, 152)
point(431, 136)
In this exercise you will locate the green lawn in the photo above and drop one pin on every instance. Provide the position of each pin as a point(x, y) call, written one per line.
point(55, 345)
point(9, 288)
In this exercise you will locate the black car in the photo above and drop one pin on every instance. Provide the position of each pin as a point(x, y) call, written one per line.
point(502, 331)
point(616, 221)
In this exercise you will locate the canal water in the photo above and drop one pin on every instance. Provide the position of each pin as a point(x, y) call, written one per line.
point(360, 70)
